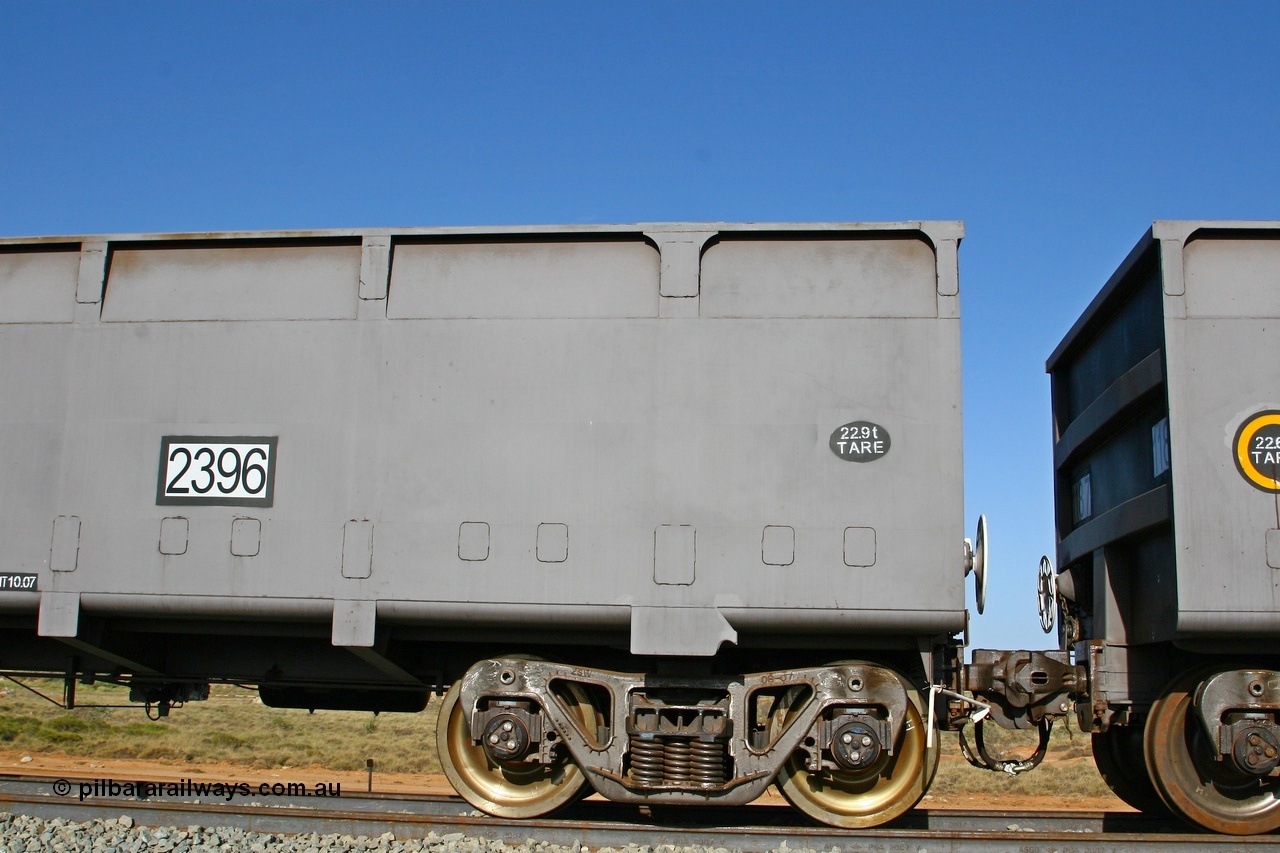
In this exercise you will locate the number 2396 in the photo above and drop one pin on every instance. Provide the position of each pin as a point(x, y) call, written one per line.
point(226, 471)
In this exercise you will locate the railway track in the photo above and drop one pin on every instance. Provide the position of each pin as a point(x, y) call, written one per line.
point(595, 824)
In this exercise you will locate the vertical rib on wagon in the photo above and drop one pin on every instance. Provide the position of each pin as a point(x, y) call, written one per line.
point(697, 465)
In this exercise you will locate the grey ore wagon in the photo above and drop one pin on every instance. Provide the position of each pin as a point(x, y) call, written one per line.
point(672, 512)
point(1166, 403)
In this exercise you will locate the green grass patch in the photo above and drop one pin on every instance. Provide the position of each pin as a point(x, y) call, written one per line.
point(13, 726)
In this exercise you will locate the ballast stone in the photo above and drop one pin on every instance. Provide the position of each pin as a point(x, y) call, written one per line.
point(22, 833)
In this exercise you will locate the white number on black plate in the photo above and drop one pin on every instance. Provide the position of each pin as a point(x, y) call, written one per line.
point(18, 581)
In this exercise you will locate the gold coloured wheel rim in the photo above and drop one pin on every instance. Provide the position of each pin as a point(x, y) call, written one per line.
point(869, 797)
point(504, 791)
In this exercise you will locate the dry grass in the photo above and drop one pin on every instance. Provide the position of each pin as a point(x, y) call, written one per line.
point(233, 727)
point(1067, 770)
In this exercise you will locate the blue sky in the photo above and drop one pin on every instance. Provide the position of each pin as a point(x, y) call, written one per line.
point(1056, 131)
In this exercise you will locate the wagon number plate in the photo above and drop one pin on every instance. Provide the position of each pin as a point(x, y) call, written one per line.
point(218, 471)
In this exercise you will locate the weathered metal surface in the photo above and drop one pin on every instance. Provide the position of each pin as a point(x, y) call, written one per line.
point(424, 384)
point(1191, 776)
point(1023, 687)
point(1153, 389)
point(754, 765)
point(1166, 397)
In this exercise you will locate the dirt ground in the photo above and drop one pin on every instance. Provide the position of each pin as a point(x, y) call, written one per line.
point(74, 769)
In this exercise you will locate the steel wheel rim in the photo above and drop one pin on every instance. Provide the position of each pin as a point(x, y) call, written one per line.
point(868, 797)
point(1183, 766)
point(1119, 756)
point(497, 790)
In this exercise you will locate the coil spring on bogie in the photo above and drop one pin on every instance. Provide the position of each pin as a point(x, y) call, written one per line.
point(678, 761)
point(646, 762)
point(677, 767)
point(708, 762)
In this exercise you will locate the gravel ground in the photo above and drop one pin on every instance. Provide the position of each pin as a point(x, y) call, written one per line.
point(22, 834)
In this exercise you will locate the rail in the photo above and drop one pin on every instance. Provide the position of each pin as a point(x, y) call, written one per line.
point(601, 824)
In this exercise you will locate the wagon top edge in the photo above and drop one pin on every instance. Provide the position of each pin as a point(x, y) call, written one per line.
point(1177, 231)
point(933, 229)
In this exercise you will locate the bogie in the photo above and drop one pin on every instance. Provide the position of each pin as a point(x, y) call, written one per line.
point(846, 743)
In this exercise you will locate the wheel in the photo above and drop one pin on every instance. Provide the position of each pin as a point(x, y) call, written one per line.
point(980, 565)
point(1183, 765)
point(513, 791)
point(1118, 754)
point(863, 798)
point(1046, 594)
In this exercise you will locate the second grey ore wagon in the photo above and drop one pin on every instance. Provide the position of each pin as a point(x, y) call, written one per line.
point(675, 509)
point(1166, 401)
